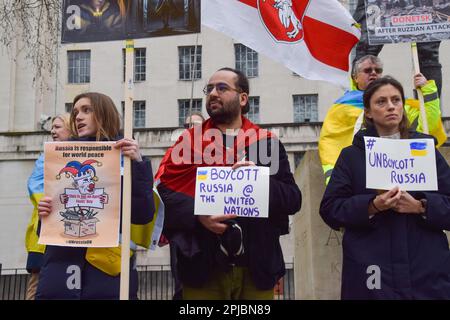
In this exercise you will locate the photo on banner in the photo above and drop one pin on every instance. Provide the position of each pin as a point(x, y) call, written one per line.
point(394, 21)
point(83, 179)
point(106, 20)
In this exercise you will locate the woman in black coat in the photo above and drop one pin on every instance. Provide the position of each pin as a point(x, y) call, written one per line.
point(394, 246)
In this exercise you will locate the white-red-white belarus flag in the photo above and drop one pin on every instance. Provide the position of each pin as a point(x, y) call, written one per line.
point(311, 37)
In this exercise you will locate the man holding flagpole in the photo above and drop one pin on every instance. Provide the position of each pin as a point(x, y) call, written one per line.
point(428, 51)
point(344, 118)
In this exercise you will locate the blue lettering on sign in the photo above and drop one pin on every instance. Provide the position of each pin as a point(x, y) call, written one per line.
point(244, 201)
point(243, 212)
point(412, 178)
point(215, 187)
point(381, 160)
point(207, 199)
point(248, 174)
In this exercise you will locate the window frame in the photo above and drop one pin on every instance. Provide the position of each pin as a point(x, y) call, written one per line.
point(185, 68)
point(78, 66)
point(310, 108)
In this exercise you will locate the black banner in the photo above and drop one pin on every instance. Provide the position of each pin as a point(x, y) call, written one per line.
point(106, 20)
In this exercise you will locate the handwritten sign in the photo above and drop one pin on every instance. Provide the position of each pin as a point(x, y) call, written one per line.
point(221, 190)
point(407, 163)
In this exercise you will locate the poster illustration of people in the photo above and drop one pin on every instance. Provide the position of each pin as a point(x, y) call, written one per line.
point(394, 21)
point(105, 20)
point(83, 180)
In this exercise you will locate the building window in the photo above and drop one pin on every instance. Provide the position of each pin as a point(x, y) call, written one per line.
point(352, 6)
point(183, 109)
point(79, 66)
point(139, 64)
point(253, 113)
point(68, 107)
point(246, 60)
point(305, 108)
point(140, 61)
point(187, 58)
point(138, 113)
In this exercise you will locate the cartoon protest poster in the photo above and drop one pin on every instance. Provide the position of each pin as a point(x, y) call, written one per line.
point(83, 180)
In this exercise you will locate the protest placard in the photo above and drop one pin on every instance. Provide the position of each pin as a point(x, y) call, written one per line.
point(94, 20)
point(407, 163)
point(83, 180)
point(394, 21)
point(222, 190)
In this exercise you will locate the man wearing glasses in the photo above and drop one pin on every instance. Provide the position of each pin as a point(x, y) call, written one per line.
point(227, 257)
point(344, 118)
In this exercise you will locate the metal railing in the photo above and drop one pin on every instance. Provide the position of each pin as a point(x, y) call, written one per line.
point(155, 283)
point(13, 284)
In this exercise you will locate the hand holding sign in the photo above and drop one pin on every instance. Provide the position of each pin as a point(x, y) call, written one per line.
point(387, 200)
point(419, 80)
point(44, 206)
point(243, 164)
point(407, 204)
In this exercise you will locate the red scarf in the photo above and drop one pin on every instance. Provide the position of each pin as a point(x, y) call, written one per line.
point(180, 177)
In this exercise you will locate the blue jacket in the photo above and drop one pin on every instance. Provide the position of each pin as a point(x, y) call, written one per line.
point(411, 251)
point(62, 265)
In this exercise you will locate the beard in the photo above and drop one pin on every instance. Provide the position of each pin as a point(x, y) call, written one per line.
point(227, 113)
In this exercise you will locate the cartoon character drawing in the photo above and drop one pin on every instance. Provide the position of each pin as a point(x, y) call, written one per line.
point(79, 201)
point(83, 175)
point(287, 16)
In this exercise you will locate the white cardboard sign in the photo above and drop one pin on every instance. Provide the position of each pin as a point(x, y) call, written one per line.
point(407, 163)
point(222, 190)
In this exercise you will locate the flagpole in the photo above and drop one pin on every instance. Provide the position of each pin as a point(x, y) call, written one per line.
point(126, 194)
point(192, 82)
point(416, 69)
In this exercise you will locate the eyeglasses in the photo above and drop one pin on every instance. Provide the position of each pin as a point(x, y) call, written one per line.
point(220, 88)
point(370, 70)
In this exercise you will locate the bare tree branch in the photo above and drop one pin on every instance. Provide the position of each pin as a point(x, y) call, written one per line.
point(35, 25)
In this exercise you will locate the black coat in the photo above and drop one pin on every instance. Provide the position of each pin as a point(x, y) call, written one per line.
point(411, 251)
point(197, 248)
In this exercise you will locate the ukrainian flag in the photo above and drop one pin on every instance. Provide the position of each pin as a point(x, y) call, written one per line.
point(418, 149)
point(202, 175)
point(36, 192)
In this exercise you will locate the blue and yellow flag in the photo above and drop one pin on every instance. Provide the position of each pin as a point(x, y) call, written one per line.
point(418, 149)
point(35, 191)
point(202, 175)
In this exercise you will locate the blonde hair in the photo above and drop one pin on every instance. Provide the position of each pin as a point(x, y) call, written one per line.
point(65, 118)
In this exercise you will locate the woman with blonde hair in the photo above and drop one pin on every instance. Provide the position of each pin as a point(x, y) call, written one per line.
point(60, 132)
